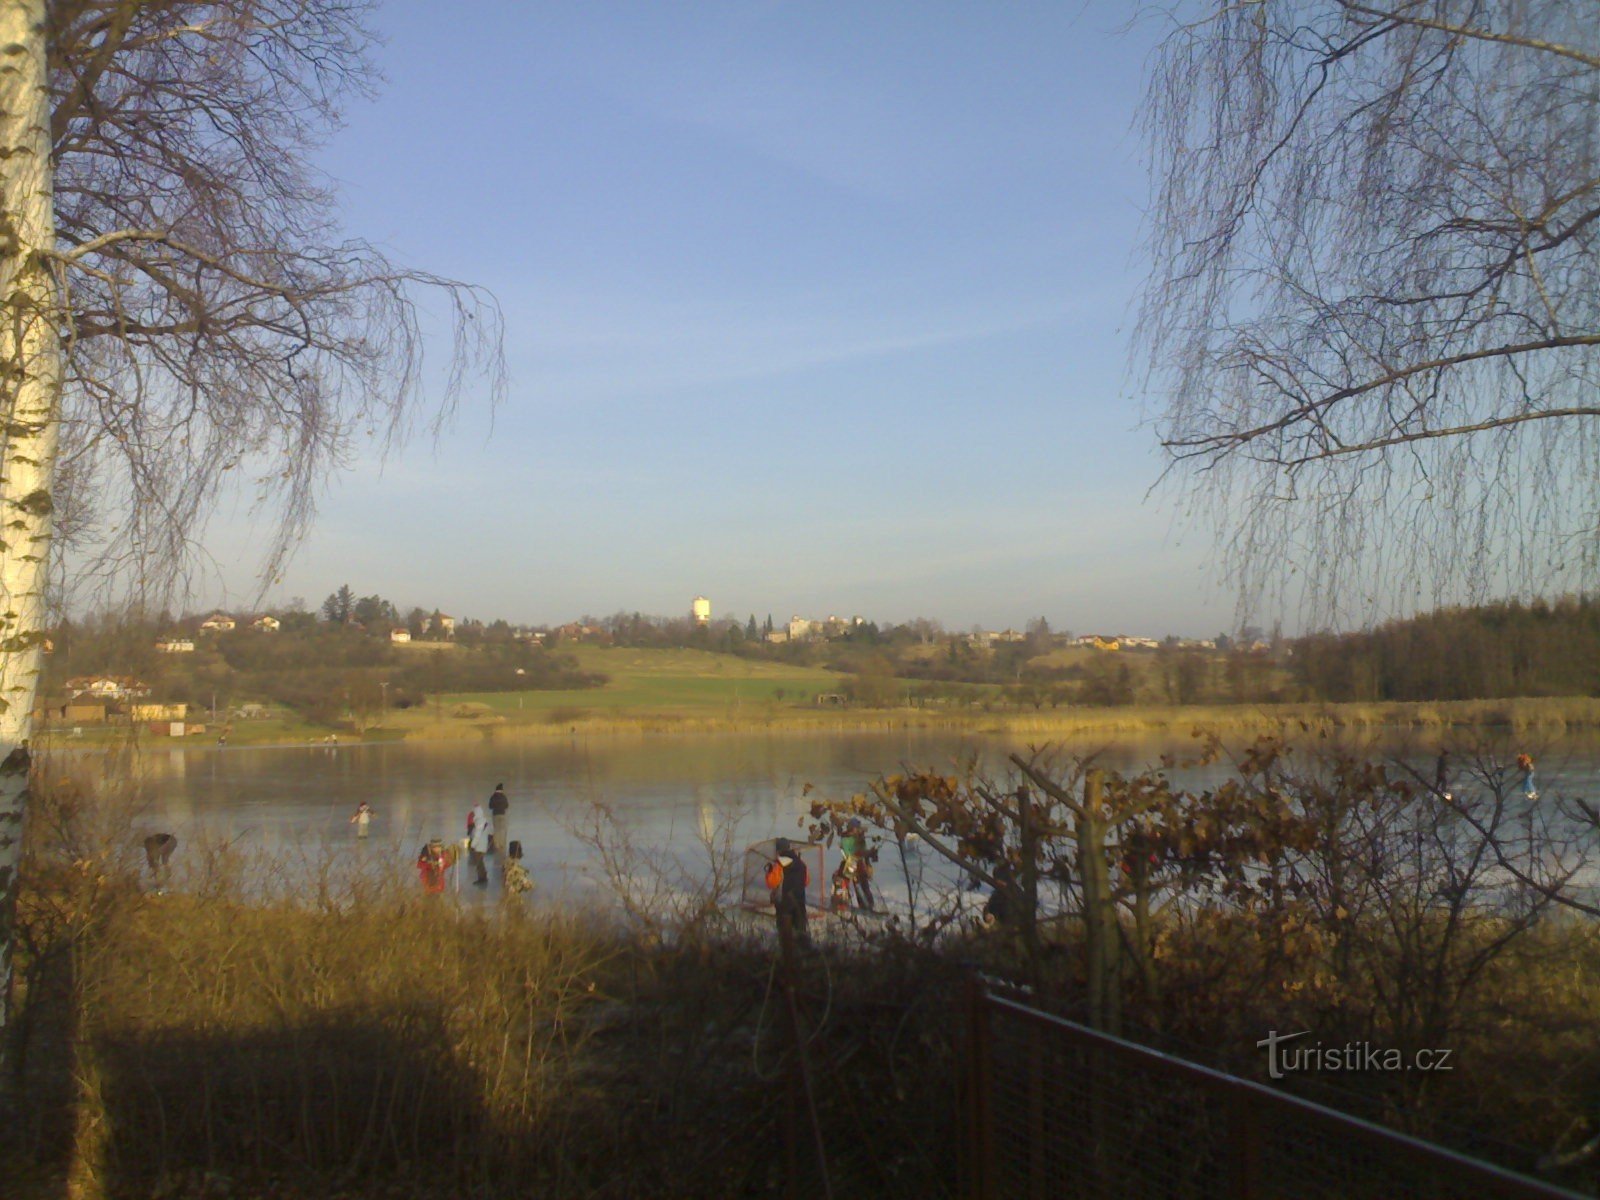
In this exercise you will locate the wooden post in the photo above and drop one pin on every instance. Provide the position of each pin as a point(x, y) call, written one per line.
point(791, 1109)
point(1244, 1145)
point(980, 1177)
point(1090, 858)
point(1038, 1176)
point(1027, 836)
point(801, 1066)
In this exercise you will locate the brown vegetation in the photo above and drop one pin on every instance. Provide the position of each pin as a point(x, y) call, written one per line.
point(291, 1028)
point(302, 1028)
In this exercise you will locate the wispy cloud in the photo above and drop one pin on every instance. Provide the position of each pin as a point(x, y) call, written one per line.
point(596, 347)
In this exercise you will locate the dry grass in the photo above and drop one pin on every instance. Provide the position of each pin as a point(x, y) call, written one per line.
point(274, 1027)
point(1550, 715)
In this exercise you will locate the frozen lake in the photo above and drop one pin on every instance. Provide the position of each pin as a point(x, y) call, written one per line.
point(671, 792)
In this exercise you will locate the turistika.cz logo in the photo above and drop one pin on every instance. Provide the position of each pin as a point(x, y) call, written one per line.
point(1282, 1058)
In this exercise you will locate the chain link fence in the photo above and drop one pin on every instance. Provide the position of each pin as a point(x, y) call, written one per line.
point(1055, 1109)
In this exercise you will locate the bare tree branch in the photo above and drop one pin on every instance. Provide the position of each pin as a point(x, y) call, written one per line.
point(214, 321)
point(1406, 17)
point(1370, 326)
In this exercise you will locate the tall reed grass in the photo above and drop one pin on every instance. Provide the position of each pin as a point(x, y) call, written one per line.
point(1549, 714)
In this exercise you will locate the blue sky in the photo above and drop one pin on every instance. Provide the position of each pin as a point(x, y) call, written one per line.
point(810, 308)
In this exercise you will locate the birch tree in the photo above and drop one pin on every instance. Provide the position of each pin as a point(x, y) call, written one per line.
point(1372, 325)
point(181, 310)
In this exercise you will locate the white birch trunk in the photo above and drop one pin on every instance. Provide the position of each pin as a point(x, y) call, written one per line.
point(30, 384)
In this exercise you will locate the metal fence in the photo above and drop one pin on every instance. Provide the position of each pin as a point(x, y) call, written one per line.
point(1056, 1109)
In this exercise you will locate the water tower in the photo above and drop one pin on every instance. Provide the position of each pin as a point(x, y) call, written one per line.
point(700, 610)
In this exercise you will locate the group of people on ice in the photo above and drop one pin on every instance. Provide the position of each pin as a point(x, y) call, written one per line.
point(488, 832)
point(788, 878)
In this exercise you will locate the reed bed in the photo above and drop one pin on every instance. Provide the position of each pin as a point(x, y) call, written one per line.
point(1547, 714)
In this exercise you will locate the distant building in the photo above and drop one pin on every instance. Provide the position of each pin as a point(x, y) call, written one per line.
point(399, 636)
point(267, 624)
point(81, 710)
point(217, 623)
point(175, 646)
point(158, 712)
point(442, 624)
point(700, 610)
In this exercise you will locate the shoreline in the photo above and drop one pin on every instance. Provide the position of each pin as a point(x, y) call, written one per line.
point(1549, 715)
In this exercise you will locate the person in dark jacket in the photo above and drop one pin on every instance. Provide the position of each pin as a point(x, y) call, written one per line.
point(789, 897)
point(158, 848)
point(498, 804)
point(1002, 908)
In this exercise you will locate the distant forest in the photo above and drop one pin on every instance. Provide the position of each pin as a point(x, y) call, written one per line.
point(1542, 648)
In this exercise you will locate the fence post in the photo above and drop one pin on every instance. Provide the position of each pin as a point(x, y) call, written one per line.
point(1038, 1182)
point(1244, 1147)
point(980, 1083)
point(791, 1122)
point(802, 1069)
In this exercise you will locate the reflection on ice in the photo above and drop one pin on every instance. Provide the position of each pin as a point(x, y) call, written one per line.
point(676, 800)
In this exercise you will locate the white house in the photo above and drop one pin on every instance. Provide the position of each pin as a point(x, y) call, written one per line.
point(442, 624)
point(175, 646)
point(266, 624)
point(216, 623)
point(399, 636)
point(107, 687)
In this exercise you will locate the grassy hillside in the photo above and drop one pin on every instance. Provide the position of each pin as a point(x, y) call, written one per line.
point(641, 682)
point(693, 690)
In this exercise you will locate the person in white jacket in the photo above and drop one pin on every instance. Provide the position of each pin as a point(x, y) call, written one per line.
point(478, 831)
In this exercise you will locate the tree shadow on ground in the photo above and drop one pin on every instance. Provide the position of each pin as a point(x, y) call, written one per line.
point(301, 1109)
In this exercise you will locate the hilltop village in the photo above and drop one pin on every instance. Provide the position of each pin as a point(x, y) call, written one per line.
point(355, 660)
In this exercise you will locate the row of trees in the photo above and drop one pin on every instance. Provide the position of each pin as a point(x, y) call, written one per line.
point(1505, 649)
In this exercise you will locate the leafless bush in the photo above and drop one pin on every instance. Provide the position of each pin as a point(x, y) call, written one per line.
point(669, 895)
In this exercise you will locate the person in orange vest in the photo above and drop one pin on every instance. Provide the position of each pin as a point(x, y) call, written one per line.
point(788, 877)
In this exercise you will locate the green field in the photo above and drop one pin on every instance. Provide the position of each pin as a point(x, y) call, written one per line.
point(690, 682)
